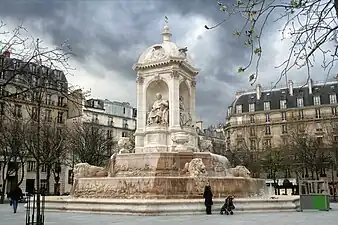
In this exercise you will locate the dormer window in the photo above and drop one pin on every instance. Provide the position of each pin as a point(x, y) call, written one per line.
point(333, 98)
point(252, 107)
point(316, 100)
point(239, 109)
point(229, 110)
point(266, 106)
point(300, 102)
point(282, 104)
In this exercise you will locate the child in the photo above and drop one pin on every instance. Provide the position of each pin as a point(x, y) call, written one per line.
point(228, 206)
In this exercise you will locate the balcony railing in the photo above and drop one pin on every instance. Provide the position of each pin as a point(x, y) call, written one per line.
point(280, 120)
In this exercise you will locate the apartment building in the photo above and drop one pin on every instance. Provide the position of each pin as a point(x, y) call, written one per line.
point(26, 91)
point(117, 118)
point(265, 118)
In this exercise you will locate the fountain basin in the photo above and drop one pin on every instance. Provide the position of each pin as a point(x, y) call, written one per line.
point(161, 187)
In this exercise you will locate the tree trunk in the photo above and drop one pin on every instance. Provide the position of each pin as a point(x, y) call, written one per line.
point(4, 183)
point(23, 173)
point(336, 7)
point(48, 178)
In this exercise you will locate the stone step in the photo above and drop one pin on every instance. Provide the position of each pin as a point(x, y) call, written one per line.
point(167, 206)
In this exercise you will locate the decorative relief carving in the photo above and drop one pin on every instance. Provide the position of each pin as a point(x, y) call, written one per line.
point(174, 75)
point(139, 80)
point(193, 83)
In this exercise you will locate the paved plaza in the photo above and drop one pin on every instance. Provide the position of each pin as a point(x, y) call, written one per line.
point(304, 218)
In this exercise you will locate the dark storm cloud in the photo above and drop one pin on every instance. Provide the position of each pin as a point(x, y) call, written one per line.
point(118, 32)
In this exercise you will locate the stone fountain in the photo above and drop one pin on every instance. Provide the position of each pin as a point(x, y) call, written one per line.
point(168, 169)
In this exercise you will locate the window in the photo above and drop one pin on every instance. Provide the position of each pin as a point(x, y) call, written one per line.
point(43, 184)
point(109, 133)
point(252, 107)
point(334, 111)
point(267, 130)
point(267, 143)
point(317, 113)
point(95, 118)
point(34, 113)
point(239, 109)
point(124, 110)
point(266, 106)
point(18, 111)
point(267, 117)
point(48, 99)
point(283, 116)
point(60, 101)
point(300, 114)
point(300, 102)
point(125, 123)
point(284, 129)
point(124, 134)
point(48, 115)
point(252, 119)
point(333, 98)
point(60, 117)
point(110, 122)
point(44, 168)
point(282, 104)
point(316, 100)
point(252, 131)
point(31, 166)
point(253, 144)
point(2, 108)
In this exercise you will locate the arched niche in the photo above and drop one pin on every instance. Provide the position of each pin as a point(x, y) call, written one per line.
point(154, 87)
point(184, 91)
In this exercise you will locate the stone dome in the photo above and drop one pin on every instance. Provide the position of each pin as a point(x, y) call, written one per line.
point(163, 51)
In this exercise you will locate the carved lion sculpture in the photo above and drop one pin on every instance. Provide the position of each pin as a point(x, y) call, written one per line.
point(205, 145)
point(124, 145)
point(196, 168)
point(86, 170)
point(239, 171)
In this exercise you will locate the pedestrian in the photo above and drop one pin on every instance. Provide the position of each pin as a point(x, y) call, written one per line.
point(15, 195)
point(207, 199)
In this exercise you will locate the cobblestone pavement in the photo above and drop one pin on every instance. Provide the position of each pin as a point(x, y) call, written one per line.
point(305, 218)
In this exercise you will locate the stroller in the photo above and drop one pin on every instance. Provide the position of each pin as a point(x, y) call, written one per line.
point(228, 206)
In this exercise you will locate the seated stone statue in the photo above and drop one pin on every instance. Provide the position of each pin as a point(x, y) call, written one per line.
point(159, 113)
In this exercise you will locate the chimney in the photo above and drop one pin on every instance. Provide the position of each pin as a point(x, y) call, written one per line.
point(291, 87)
point(310, 86)
point(258, 91)
point(6, 54)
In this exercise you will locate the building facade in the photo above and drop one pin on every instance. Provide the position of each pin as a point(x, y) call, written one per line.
point(266, 118)
point(117, 118)
point(30, 93)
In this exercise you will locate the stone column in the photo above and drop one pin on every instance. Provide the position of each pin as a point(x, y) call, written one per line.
point(193, 101)
point(141, 114)
point(174, 113)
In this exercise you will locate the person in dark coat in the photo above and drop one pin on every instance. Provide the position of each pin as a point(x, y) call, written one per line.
point(228, 206)
point(208, 199)
point(15, 195)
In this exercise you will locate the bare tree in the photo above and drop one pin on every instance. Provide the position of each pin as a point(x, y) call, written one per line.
point(12, 151)
point(27, 68)
point(310, 25)
point(90, 143)
point(247, 148)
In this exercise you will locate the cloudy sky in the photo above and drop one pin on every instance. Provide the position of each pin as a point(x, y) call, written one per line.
point(108, 36)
